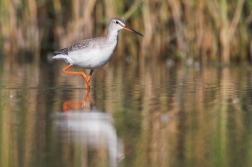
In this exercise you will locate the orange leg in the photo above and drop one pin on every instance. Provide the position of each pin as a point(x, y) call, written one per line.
point(87, 97)
point(78, 73)
point(90, 75)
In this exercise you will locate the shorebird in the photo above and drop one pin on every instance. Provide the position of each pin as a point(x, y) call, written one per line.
point(93, 53)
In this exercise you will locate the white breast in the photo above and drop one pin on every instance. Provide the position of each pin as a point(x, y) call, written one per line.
point(94, 56)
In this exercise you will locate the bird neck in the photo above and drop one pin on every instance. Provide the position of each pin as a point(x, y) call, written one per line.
point(112, 35)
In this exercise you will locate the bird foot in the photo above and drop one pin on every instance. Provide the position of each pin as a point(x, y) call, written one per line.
point(87, 87)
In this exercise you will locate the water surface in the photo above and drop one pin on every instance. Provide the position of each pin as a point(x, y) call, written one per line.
point(149, 115)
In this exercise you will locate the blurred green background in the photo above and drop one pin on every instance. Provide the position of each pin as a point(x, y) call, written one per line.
point(180, 30)
point(170, 108)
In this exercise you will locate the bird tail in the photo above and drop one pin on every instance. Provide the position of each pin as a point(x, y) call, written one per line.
point(60, 56)
point(61, 52)
point(63, 57)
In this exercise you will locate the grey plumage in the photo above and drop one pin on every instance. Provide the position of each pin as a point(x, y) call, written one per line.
point(62, 51)
point(93, 53)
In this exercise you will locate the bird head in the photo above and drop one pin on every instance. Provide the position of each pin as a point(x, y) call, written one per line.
point(119, 24)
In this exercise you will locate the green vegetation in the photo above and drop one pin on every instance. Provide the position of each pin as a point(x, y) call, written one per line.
point(216, 30)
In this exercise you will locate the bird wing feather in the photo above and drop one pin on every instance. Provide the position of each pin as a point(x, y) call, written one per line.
point(62, 51)
point(79, 45)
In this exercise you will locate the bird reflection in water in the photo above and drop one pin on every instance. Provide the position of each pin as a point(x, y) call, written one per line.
point(70, 106)
point(91, 129)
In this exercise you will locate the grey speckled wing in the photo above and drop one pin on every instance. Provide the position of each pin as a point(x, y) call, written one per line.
point(62, 51)
point(79, 45)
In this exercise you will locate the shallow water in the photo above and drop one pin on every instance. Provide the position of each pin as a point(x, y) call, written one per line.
point(152, 115)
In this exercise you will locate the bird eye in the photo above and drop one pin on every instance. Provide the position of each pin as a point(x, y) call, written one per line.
point(117, 22)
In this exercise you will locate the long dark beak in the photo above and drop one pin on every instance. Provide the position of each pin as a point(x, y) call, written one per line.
point(129, 29)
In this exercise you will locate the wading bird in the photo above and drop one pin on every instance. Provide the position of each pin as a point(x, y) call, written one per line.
point(92, 53)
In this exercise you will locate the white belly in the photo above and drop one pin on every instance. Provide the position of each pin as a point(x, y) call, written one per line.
point(92, 57)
